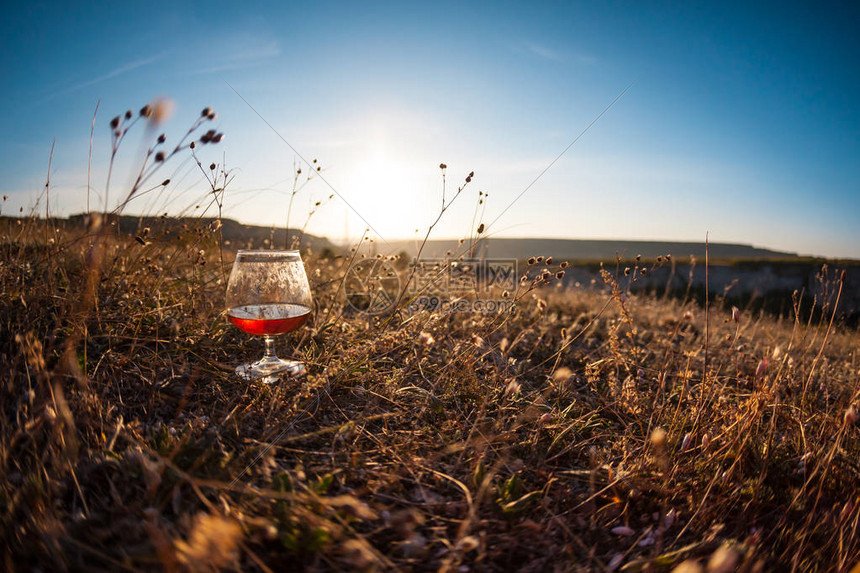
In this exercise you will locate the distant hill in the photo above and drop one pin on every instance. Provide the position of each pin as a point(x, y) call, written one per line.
point(590, 250)
point(239, 235)
point(253, 236)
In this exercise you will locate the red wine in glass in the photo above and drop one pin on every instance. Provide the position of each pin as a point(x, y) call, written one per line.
point(268, 295)
point(271, 319)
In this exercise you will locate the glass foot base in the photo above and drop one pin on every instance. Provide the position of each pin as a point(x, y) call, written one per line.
point(270, 371)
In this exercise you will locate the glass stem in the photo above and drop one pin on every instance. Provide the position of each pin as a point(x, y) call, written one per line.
point(269, 356)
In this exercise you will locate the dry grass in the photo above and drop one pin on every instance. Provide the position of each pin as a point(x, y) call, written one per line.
point(589, 430)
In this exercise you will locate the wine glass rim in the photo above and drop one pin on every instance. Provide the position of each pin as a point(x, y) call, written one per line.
point(268, 252)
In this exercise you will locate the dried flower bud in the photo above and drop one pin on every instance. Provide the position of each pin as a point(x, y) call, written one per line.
point(549, 260)
point(564, 264)
point(736, 314)
point(559, 275)
point(212, 116)
point(146, 111)
point(299, 171)
point(212, 167)
point(531, 260)
point(218, 137)
point(159, 157)
point(165, 183)
point(129, 114)
point(540, 259)
point(114, 123)
point(850, 416)
point(206, 111)
point(442, 166)
point(480, 228)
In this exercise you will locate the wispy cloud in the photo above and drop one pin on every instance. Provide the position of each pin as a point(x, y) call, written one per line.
point(552, 55)
point(248, 50)
point(123, 69)
point(543, 52)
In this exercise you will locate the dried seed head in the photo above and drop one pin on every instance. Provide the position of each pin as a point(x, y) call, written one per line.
point(212, 116)
point(159, 157)
point(688, 566)
point(658, 438)
point(426, 339)
point(540, 259)
point(218, 137)
point(531, 260)
point(564, 264)
point(212, 167)
point(563, 374)
point(480, 228)
point(162, 138)
point(146, 111)
point(129, 114)
point(549, 260)
point(559, 275)
point(761, 369)
point(442, 166)
point(723, 560)
point(192, 145)
point(206, 111)
point(114, 123)
point(736, 314)
point(165, 183)
point(161, 110)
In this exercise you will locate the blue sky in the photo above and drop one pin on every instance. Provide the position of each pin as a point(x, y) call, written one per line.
point(740, 120)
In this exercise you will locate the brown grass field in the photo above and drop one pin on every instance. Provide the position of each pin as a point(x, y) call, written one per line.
point(588, 430)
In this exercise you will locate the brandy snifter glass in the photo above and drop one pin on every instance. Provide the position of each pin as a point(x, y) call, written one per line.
point(268, 295)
